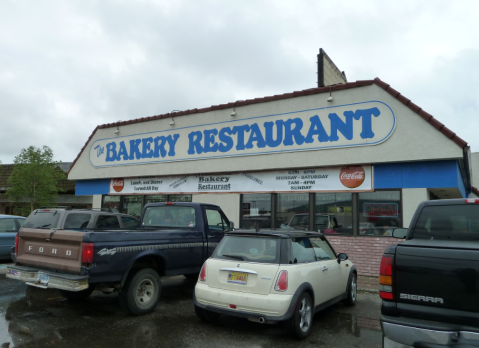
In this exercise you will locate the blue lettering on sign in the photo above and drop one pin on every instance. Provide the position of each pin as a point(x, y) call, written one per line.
point(146, 150)
point(288, 132)
point(99, 150)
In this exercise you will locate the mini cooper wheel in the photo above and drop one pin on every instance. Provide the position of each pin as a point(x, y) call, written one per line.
point(352, 295)
point(206, 315)
point(77, 295)
point(301, 322)
point(141, 292)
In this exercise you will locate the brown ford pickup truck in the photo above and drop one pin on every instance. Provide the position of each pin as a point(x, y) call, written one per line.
point(170, 239)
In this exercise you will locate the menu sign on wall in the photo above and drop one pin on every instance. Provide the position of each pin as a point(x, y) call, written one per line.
point(334, 179)
point(358, 124)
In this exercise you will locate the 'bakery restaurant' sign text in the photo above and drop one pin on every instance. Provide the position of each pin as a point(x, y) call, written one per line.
point(360, 124)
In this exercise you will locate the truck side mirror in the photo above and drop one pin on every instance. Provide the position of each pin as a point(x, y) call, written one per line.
point(400, 233)
point(232, 225)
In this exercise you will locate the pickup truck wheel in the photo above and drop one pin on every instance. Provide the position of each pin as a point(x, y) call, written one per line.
point(206, 315)
point(301, 322)
point(77, 295)
point(350, 300)
point(141, 292)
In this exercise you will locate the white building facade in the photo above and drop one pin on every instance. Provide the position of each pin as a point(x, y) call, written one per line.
point(353, 167)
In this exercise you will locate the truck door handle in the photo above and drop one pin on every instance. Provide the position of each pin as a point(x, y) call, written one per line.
point(325, 269)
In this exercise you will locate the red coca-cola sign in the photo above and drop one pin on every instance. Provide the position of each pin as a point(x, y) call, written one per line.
point(352, 176)
point(118, 184)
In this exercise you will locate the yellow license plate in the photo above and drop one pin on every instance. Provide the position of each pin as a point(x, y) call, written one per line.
point(237, 277)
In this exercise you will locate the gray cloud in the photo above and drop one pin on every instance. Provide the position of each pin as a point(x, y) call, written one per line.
point(66, 67)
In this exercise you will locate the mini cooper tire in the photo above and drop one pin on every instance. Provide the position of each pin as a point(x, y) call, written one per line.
point(300, 324)
point(206, 315)
point(141, 292)
point(352, 295)
point(77, 295)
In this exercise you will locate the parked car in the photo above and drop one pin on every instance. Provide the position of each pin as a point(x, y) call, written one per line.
point(9, 226)
point(274, 276)
point(170, 239)
point(429, 282)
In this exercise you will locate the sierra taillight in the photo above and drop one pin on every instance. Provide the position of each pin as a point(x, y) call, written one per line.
point(16, 245)
point(386, 278)
point(87, 253)
point(282, 282)
point(472, 200)
point(203, 273)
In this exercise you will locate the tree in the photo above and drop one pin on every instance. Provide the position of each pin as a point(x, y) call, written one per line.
point(34, 180)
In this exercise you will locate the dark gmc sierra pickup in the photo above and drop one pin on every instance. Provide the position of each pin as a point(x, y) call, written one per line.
point(429, 283)
point(171, 239)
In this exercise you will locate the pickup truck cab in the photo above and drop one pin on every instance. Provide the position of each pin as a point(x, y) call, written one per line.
point(170, 239)
point(429, 283)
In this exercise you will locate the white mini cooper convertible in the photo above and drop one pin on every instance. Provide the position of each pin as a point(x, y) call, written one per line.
point(274, 276)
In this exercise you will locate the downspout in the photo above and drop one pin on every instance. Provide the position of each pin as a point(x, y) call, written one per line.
point(467, 169)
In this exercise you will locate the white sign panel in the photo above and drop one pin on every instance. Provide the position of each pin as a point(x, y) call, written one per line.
point(359, 124)
point(337, 179)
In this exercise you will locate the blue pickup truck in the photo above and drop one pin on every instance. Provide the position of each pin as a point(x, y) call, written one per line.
point(171, 239)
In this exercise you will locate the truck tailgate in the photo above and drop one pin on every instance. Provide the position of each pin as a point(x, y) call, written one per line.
point(438, 273)
point(56, 250)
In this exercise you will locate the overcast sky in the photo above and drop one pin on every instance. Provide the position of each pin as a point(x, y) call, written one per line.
point(68, 66)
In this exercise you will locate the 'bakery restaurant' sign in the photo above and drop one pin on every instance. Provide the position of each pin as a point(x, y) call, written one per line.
point(359, 124)
point(334, 179)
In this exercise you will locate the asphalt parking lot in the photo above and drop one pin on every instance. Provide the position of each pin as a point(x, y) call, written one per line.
point(31, 317)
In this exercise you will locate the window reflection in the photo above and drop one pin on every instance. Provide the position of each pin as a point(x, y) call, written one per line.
point(334, 213)
point(379, 213)
point(256, 211)
point(293, 210)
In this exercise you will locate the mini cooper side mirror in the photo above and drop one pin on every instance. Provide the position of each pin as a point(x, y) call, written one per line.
point(400, 233)
point(342, 257)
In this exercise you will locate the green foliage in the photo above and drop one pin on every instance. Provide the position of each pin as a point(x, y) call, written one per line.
point(34, 179)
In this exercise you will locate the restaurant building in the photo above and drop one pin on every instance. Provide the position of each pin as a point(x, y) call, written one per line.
point(352, 160)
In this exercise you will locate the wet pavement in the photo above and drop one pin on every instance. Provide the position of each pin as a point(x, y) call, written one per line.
point(31, 317)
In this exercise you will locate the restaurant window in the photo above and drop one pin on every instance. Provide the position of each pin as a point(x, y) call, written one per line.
point(179, 198)
point(293, 210)
point(379, 212)
point(334, 213)
point(132, 205)
point(256, 211)
point(156, 198)
point(112, 202)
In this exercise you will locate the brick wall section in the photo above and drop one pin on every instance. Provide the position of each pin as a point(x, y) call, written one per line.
point(364, 252)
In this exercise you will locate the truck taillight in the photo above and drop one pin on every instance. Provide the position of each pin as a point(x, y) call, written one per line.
point(16, 245)
point(87, 253)
point(203, 273)
point(386, 278)
point(282, 282)
point(472, 200)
